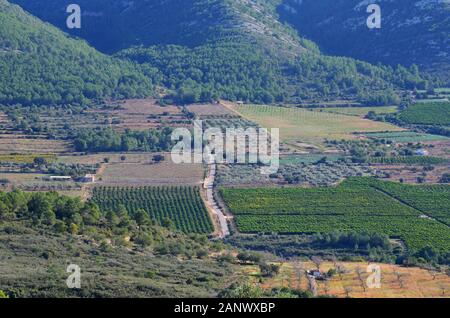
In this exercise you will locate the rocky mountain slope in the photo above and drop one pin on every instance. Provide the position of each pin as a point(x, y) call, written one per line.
point(412, 31)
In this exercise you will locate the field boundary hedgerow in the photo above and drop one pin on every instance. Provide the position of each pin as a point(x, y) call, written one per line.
point(409, 205)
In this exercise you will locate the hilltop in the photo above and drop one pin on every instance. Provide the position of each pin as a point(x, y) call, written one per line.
point(412, 31)
point(234, 49)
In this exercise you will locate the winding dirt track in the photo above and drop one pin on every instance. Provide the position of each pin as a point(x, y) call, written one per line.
point(212, 204)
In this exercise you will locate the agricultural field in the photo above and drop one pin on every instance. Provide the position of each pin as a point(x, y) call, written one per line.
point(228, 123)
point(410, 160)
point(292, 171)
point(431, 200)
point(35, 182)
point(405, 136)
point(139, 169)
point(411, 174)
point(26, 158)
point(355, 205)
point(431, 113)
point(164, 173)
point(141, 114)
point(57, 123)
point(181, 204)
point(360, 111)
point(396, 281)
point(309, 126)
point(309, 158)
point(12, 143)
point(204, 111)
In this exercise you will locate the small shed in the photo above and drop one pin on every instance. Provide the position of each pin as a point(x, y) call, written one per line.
point(58, 178)
point(421, 152)
point(89, 178)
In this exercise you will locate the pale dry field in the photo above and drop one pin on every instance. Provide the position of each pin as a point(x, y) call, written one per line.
point(396, 281)
point(138, 170)
point(211, 110)
point(141, 114)
point(409, 174)
point(307, 126)
point(13, 144)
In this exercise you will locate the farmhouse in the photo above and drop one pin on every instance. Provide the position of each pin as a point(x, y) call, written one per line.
point(317, 274)
point(89, 178)
point(421, 152)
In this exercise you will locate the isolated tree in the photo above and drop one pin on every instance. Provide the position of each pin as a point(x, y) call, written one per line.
point(443, 289)
point(360, 273)
point(40, 161)
point(300, 271)
point(326, 287)
point(269, 270)
point(158, 158)
point(317, 261)
point(312, 285)
point(347, 290)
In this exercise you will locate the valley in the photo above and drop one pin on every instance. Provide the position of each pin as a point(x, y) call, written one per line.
point(89, 120)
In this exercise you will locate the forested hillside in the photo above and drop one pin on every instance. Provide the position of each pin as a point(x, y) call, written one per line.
point(119, 254)
point(412, 31)
point(234, 49)
point(41, 65)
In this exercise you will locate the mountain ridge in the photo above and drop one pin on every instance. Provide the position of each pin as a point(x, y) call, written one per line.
point(242, 51)
point(412, 32)
point(42, 65)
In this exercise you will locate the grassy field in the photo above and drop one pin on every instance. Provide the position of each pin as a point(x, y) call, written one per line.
point(396, 281)
point(360, 111)
point(359, 204)
point(405, 136)
point(182, 204)
point(302, 125)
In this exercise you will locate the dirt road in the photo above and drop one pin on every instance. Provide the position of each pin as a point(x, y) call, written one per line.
point(211, 202)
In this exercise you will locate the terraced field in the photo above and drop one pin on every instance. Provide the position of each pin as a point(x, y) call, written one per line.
point(358, 204)
point(182, 204)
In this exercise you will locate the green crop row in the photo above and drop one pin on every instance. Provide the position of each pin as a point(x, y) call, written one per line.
point(182, 204)
point(419, 215)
